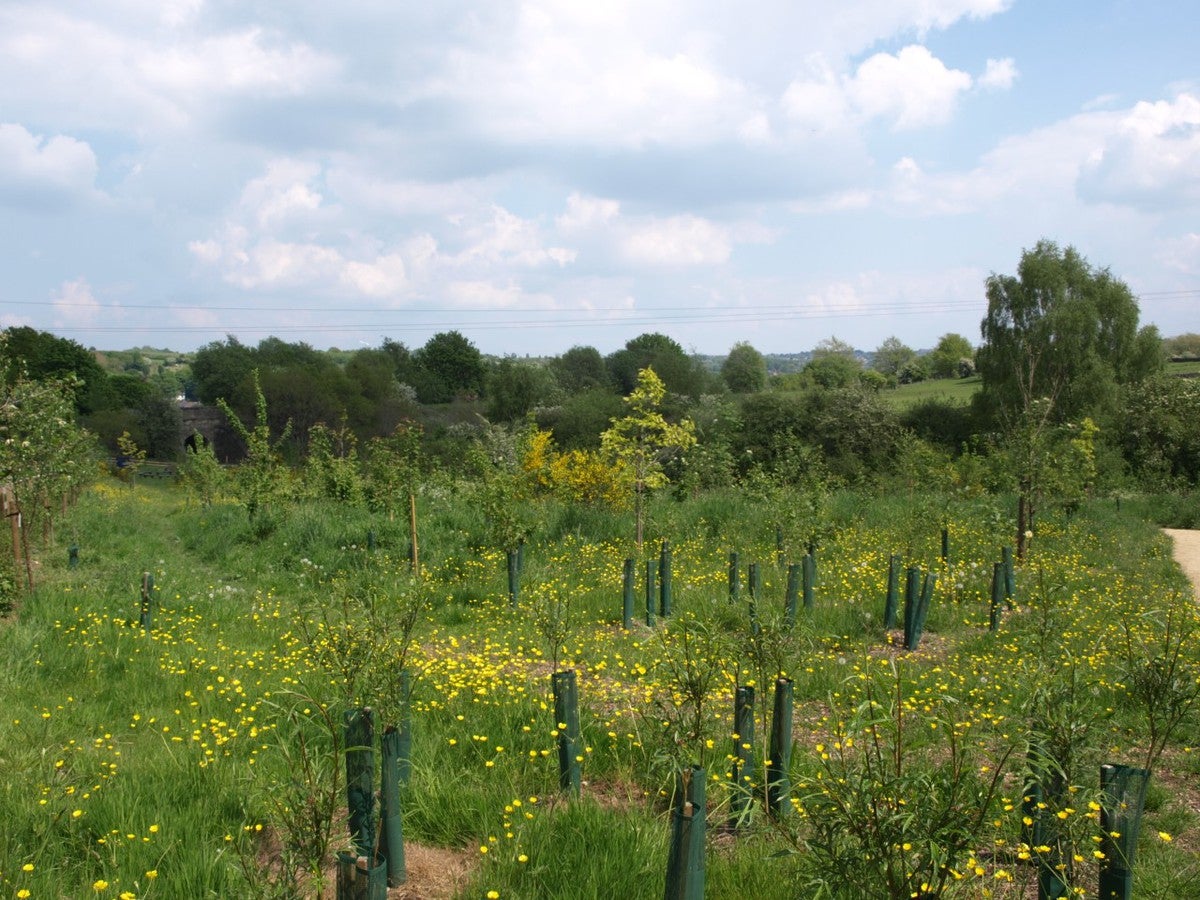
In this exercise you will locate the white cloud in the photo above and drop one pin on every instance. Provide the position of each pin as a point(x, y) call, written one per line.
point(508, 239)
point(115, 70)
point(913, 88)
point(605, 235)
point(587, 212)
point(615, 73)
point(383, 277)
point(285, 193)
point(1152, 160)
point(999, 74)
point(35, 169)
point(1181, 253)
point(75, 305)
point(677, 241)
point(250, 61)
point(286, 231)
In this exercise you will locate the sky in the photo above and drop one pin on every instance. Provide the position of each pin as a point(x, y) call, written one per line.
point(545, 174)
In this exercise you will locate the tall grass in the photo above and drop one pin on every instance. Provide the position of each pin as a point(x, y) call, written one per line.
point(126, 752)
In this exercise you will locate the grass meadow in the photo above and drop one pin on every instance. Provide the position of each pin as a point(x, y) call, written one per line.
point(198, 756)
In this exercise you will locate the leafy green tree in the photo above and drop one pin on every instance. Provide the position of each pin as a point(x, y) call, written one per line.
point(393, 475)
point(834, 364)
point(578, 422)
point(1182, 346)
point(953, 357)
point(680, 373)
point(158, 415)
point(260, 476)
point(201, 473)
point(644, 440)
point(220, 369)
point(40, 355)
point(580, 369)
point(514, 387)
point(744, 370)
point(1160, 434)
point(44, 455)
point(129, 457)
point(332, 469)
point(378, 401)
point(892, 356)
point(1064, 331)
point(453, 366)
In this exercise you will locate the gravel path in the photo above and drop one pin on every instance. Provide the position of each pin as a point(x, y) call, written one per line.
point(1187, 554)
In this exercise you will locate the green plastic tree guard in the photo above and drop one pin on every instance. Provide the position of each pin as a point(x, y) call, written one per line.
point(779, 783)
point(404, 741)
point(945, 544)
point(912, 596)
point(664, 580)
point(1010, 577)
point(755, 590)
point(390, 811)
point(566, 716)
point(735, 578)
point(754, 576)
point(923, 605)
point(809, 569)
point(742, 774)
point(357, 881)
point(359, 726)
point(520, 556)
point(147, 611)
point(685, 859)
point(1045, 789)
point(627, 585)
point(792, 596)
point(370, 541)
point(891, 602)
point(514, 577)
point(1124, 796)
point(73, 556)
point(651, 593)
point(997, 596)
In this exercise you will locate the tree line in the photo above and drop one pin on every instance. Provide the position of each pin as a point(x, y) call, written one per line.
point(1061, 345)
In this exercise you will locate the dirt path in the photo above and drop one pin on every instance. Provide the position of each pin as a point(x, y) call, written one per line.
point(1187, 554)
